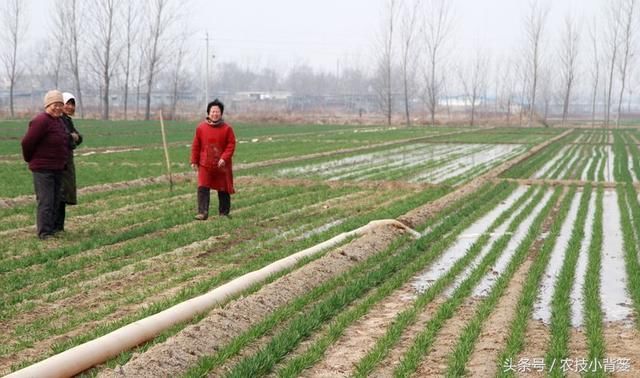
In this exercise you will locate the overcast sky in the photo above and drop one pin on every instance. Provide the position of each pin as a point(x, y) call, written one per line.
point(330, 33)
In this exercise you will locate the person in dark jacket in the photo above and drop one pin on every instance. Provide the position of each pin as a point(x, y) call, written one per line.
point(45, 147)
point(69, 189)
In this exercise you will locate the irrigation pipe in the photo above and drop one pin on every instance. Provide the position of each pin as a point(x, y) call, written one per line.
point(91, 353)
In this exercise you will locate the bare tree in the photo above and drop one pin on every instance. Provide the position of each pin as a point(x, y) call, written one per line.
point(534, 27)
point(612, 40)
point(68, 21)
point(595, 70)
point(385, 60)
point(179, 57)
point(438, 25)
point(628, 31)
point(523, 73)
point(14, 28)
point(408, 36)
point(546, 91)
point(105, 48)
point(568, 62)
point(505, 89)
point(139, 80)
point(130, 30)
point(499, 83)
point(162, 18)
point(474, 81)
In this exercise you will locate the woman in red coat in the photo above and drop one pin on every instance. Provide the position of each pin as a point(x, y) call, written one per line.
point(211, 153)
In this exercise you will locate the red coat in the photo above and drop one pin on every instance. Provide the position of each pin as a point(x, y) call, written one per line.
point(210, 144)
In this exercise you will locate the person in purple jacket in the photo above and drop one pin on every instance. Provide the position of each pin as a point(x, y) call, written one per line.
point(45, 147)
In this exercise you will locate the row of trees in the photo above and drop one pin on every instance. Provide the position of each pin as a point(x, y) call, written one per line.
point(90, 43)
point(416, 40)
point(128, 49)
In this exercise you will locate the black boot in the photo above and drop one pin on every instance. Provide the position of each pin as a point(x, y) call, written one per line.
point(224, 203)
point(203, 203)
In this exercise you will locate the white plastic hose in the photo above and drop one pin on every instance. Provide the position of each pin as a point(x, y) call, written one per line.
point(91, 353)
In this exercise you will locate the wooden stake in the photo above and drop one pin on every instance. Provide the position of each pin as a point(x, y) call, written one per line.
point(166, 152)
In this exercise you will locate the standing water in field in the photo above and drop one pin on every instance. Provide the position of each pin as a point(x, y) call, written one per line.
point(616, 302)
point(464, 242)
point(577, 315)
point(542, 307)
point(485, 285)
point(499, 232)
point(545, 170)
point(587, 167)
point(608, 169)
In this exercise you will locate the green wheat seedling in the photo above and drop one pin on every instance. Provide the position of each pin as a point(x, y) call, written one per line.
point(562, 163)
point(592, 302)
point(620, 160)
point(336, 329)
point(226, 275)
point(517, 330)
point(469, 336)
point(534, 163)
point(303, 326)
point(208, 363)
point(591, 173)
point(603, 164)
point(409, 316)
point(629, 210)
point(425, 339)
point(285, 219)
point(560, 327)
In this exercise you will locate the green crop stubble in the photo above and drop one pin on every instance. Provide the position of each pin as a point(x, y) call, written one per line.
point(139, 253)
point(254, 264)
point(630, 216)
point(387, 172)
point(635, 153)
point(140, 249)
point(336, 329)
point(208, 363)
point(425, 339)
point(96, 203)
point(591, 173)
point(604, 163)
point(409, 316)
point(620, 161)
point(581, 164)
point(560, 326)
point(591, 289)
point(470, 334)
point(301, 327)
point(481, 168)
point(523, 309)
point(533, 163)
point(166, 217)
point(561, 164)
